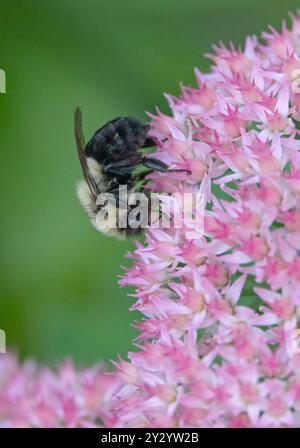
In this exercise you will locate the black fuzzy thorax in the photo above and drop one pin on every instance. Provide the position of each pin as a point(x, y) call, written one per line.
point(115, 147)
point(117, 140)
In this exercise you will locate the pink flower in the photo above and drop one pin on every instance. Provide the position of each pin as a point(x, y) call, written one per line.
point(31, 396)
point(226, 342)
point(220, 312)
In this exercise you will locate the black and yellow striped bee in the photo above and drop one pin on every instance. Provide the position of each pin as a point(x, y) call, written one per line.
point(110, 159)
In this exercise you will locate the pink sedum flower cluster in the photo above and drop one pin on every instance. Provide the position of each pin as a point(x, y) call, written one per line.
point(221, 313)
point(218, 339)
point(35, 396)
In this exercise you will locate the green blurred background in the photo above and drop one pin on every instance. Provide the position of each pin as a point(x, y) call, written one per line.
point(59, 292)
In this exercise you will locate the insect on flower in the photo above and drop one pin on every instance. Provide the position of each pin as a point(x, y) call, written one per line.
point(109, 160)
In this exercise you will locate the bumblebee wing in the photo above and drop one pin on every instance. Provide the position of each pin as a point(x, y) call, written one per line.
point(80, 144)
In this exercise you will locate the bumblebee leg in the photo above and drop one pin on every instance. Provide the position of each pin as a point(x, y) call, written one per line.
point(158, 165)
point(125, 170)
point(123, 167)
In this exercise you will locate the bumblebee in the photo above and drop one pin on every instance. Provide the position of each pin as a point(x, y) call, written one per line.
point(110, 160)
